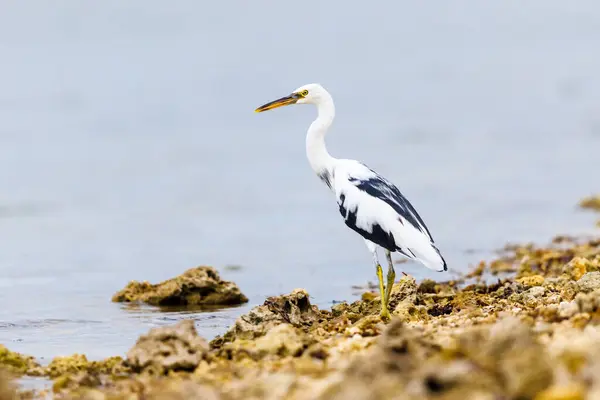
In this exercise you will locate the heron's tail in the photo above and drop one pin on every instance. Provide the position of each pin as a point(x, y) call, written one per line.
point(430, 256)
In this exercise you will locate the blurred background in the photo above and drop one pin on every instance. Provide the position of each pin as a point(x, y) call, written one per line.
point(129, 148)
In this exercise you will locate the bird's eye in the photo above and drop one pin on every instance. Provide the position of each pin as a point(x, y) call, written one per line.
point(304, 93)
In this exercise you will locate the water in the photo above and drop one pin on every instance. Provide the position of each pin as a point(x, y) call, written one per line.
point(129, 148)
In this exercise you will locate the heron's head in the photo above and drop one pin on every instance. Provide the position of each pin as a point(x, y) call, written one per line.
point(307, 94)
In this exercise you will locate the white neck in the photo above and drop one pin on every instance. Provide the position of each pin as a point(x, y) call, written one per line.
point(316, 151)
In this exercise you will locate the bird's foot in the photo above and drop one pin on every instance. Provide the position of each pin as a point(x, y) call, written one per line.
point(391, 278)
point(385, 313)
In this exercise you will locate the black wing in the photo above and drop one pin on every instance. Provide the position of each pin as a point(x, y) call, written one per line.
point(379, 187)
point(374, 233)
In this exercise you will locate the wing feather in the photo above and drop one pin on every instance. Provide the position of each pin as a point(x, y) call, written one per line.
point(362, 196)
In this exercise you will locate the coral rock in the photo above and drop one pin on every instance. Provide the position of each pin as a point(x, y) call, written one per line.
point(589, 282)
point(79, 363)
point(168, 348)
point(294, 309)
point(283, 340)
point(17, 363)
point(196, 286)
point(403, 297)
point(577, 267)
point(591, 202)
point(510, 353)
point(528, 281)
point(567, 309)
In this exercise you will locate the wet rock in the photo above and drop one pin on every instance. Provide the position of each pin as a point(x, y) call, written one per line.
point(67, 365)
point(196, 286)
point(168, 348)
point(17, 363)
point(589, 282)
point(294, 309)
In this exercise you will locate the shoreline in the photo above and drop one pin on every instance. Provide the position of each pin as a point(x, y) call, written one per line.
point(523, 325)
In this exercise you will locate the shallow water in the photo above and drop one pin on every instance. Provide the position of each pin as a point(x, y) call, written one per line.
point(129, 148)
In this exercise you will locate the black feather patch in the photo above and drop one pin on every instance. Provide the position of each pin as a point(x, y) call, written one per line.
point(442, 257)
point(325, 176)
point(377, 234)
point(384, 190)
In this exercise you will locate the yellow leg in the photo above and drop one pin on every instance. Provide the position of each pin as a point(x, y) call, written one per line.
point(391, 277)
point(385, 314)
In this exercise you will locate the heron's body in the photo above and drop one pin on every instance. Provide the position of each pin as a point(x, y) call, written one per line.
point(370, 204)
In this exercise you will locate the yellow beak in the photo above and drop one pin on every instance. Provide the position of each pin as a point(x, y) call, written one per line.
point(284, 101)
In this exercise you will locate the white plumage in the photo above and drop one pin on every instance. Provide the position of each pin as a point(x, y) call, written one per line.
point(370, 204)
point(382, 215)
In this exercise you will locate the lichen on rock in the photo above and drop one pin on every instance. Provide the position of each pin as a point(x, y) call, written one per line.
point(196, 286)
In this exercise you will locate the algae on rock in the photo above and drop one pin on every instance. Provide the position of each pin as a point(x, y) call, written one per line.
point(196, 286)
point(17, 363)
point(79, 363)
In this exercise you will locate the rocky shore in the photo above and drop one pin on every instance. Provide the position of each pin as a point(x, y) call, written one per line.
point(200, 286)
point(523, 326)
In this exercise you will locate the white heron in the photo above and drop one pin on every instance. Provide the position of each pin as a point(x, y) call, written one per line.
point(369, 203)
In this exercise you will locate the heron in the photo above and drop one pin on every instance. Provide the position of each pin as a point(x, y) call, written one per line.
point(371, 205)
